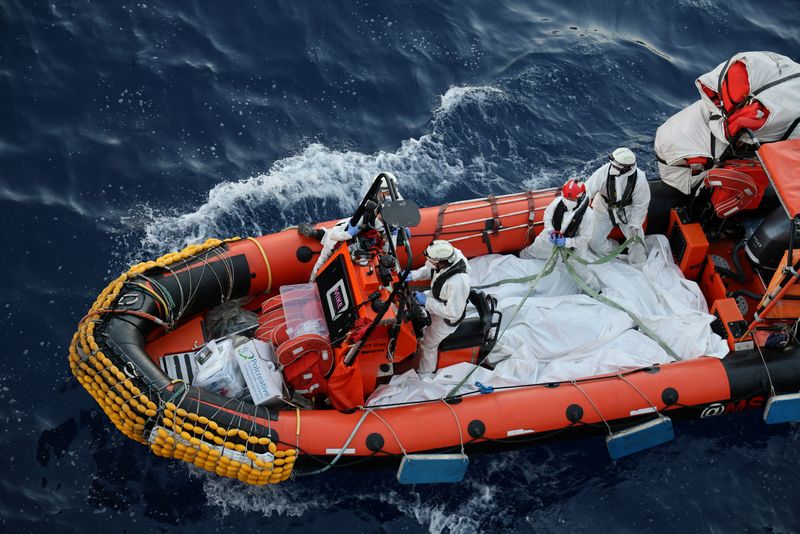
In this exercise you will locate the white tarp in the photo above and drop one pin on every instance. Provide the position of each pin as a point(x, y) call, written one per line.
point(560, 334)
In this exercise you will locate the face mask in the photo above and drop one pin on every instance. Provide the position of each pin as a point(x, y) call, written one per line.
point(570, 204)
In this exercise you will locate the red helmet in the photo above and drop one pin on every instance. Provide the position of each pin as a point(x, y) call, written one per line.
point(573, 190)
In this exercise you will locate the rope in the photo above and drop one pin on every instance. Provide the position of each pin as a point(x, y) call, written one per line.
point(341, 451)
point(153, 294)
point(143, 315)
point(596, 409)
point(547, 268)
point(766, 367)
point(605, 259)
point(631, 384)
point(373, 412)
point(266, 262)
point(458, 425)
point(566, 254)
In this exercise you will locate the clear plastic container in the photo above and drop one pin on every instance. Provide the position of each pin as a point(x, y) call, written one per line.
point(302, 309)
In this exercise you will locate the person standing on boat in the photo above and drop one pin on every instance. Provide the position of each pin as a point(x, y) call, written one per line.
point(568, 224)
point(620, 197)
point(445, 302)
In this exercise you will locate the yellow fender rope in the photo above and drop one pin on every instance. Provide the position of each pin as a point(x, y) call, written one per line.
point(266, 262)
point(176, 432)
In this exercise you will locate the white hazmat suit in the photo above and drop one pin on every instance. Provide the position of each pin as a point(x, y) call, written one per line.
point(541, 248)
point(449, 306)
point(338, 233)
point(630, 218)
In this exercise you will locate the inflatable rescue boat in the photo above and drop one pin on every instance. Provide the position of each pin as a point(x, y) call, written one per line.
point(225, 356)
point(138, 349)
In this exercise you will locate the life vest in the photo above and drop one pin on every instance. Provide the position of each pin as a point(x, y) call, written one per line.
point(436, 287)
point(574, 224)
point(611, 196)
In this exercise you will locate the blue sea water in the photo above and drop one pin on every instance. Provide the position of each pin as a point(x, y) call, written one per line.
point(128, 129)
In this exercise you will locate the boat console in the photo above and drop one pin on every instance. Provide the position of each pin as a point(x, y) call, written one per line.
point(370, 311)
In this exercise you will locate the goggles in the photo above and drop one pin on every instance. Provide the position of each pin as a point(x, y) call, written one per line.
point(623, 169)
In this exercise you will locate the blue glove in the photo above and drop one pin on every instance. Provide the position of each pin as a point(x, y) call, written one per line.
point(420, 298)
point(352, 229)
point(560, 241)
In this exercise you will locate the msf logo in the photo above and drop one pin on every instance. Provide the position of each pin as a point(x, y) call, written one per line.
point(718, 408)
point(338, 302)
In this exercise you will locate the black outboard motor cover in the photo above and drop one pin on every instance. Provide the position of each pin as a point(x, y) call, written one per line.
point(766, 246)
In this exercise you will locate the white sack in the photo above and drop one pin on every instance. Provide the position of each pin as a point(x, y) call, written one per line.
point(685, 135)
point(411, 387)
point(559, 334)
point(782, 100)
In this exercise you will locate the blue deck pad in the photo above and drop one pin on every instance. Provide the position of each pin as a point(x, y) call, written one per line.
point(782, 409)
point(640, 437)
point(432, 468)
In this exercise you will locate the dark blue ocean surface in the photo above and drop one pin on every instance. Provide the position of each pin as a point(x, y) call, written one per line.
point(128, 129)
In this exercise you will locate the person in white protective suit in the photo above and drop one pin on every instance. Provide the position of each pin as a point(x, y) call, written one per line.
point(341, 231)
point(567, 223)
point(620, 197)
point(344, 231)
point(445, 302)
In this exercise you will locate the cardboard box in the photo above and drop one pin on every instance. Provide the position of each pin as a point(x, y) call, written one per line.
point(264, 380)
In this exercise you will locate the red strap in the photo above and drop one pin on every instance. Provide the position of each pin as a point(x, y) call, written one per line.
point(495, 213)
point(360, 328)
point(531, 217)
point(439, 221)
point(531, 207)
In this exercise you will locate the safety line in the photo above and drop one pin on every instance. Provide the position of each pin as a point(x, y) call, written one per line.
point(266, 262)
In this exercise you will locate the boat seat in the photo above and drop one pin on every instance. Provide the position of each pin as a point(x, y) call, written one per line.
point(474, 331)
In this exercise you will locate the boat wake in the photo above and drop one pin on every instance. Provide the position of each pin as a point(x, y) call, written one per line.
point(455, 158)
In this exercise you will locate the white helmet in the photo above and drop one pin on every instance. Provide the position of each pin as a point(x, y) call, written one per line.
point(623, 161)
point(441, 250)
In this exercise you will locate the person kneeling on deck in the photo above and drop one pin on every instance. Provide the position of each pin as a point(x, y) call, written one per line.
point(446, 302)
point(620, 196)
point(369, 226)
point(567, 223)
point(341, 231)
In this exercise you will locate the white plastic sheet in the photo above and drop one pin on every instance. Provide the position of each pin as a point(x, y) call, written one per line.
point(560, 334)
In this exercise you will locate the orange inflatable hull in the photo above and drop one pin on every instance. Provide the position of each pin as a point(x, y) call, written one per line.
point(116, 352)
